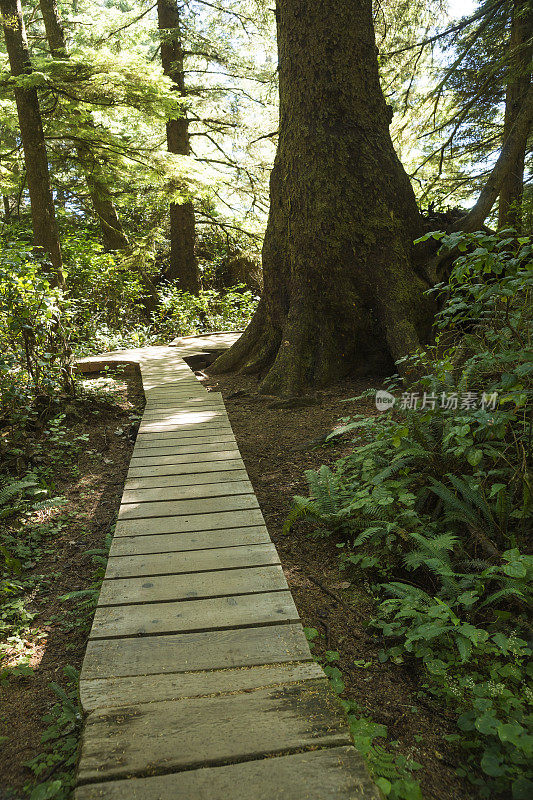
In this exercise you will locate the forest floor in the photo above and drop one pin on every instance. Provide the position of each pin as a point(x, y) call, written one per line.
point(277, 445)
point(57, 636)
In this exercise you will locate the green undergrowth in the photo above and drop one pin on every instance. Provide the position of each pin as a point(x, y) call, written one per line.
point(391, 771)
point(40, 445)
point(431, 510)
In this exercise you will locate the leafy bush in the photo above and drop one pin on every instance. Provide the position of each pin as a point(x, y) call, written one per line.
point(35, 321)
point(180, 313)
point(105, 290)
point(434, 503)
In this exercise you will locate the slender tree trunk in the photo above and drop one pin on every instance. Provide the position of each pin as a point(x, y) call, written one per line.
point(520, 55)
point(340, 291)
point(45, 231)
point(53, 26)
point(183, 264)
point(113, 236)
point(7, 207)
point(509, 154)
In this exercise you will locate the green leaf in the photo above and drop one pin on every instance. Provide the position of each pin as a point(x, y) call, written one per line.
point(491, 764)
point(487, 724)
point(515, 569)
point(46, 791)
point(384, 784)
point(474, 457)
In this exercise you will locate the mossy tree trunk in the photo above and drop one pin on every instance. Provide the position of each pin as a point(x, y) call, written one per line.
point(520, 54)
point(183, 265)
point(45, 233)
point(340, 289)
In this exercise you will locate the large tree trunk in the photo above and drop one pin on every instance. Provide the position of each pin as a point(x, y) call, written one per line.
point(183, 265)
point(340, 289)
point(520, 54)
point(45, 231)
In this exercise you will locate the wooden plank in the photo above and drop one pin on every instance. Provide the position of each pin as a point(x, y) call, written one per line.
point(202, 430)
point(113, 692)
point(178, 421)
point(173, 439)
point(173, 508)
point(183, 419)
point(186, 524)
point(201, 444)
point(185, 492)
point(223, 558)
point(174, 460)
point(163, 588)
point(176, 542)
point(238, 647)
point(158, 404)
point(182, 416)
point(197, 615)
point(333, 773)
point(197, 732)
point(190, 478)
point(185, 410)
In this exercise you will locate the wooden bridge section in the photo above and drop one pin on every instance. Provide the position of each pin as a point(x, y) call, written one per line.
point(198, 683)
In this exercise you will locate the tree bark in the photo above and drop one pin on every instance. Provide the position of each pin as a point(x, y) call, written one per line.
point(53, 26)
point(520, 55)
point(45, 231)
point(183, 264)
point(113, 236)
point(509, 154)
point(340, 289)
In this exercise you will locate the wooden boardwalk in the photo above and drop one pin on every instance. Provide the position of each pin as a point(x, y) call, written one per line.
point(198, 683)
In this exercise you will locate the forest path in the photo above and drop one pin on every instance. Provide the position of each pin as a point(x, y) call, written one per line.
point(198, 683)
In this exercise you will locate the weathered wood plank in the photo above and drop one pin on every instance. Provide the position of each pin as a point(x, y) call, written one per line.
point(178, 447)
point(196, 732)
point(194, 491)
point(191, 561)
point(333, 773)
point(220, 649)
point(173, 508)
point(181, 418)
point(163, 588)
point(157, 405)
point(203, 432)
point(113, 692)
point(189, 523)
point(195, 615)
point(223, 558)
point(188, 477)
point(178, 443)
point(202, 457)
point(175, 542)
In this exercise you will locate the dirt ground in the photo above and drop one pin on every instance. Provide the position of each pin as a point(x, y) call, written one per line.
point(278, 444)
point(93, 499)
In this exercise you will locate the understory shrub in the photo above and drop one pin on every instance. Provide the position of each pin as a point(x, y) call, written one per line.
point(433, 507)
point(180, 313)
point(35, 323)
